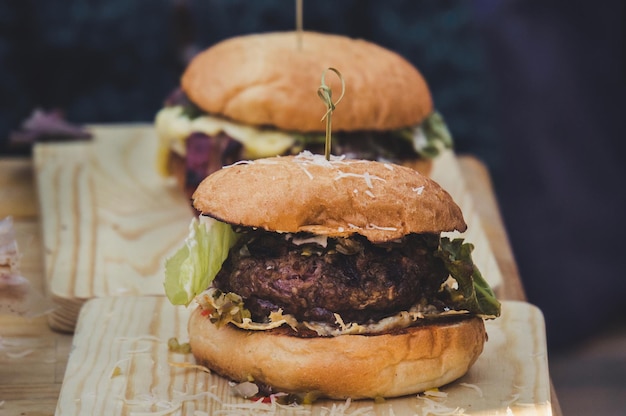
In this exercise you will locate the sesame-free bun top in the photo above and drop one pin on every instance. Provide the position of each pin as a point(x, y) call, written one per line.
point(336, 198)
point(267, 80)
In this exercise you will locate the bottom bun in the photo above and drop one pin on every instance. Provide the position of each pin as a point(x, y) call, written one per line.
point(346, 366)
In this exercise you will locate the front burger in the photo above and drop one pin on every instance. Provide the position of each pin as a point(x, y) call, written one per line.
point(252, 96)
point(330, 278)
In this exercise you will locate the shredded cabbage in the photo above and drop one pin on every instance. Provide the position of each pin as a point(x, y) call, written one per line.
point(194, 266)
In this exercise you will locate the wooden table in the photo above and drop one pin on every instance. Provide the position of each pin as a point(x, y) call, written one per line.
point(30, 385)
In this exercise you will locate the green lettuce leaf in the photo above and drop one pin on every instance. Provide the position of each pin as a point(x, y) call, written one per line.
point(436, 130)
point(474, 293)
point(430, 137)
point(194, 266)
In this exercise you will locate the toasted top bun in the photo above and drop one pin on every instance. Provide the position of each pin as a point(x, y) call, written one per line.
point(356, 366)
point(266, 80)
point(336, 198)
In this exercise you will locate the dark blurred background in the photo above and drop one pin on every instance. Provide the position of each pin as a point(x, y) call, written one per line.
point(535, 89)
point(116, 60)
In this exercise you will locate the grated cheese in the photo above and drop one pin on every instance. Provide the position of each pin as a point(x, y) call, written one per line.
point(367, 177)
point(307, 156)
point(255, 405)
point(309, 174)
point(185, 397)
point(256, 326)
point(435, 393)
point(340, 322)
point(188, 365)
point(435, 408)
point(377, 227)
point(259, 407)
point(419, 189)
point(339, 409)
point(239, 162)
point(473, 386)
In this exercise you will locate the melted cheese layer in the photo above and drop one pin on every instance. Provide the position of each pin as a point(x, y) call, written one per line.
point(173, 127)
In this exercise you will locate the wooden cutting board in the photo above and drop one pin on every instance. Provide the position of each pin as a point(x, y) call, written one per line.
point(509, 378)
point(110, 221)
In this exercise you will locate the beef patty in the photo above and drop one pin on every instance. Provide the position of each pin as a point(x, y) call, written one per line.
point(349, 276)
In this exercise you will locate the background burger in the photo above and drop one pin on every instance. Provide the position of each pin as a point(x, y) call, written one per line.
point(330, 278)
point(252, 96)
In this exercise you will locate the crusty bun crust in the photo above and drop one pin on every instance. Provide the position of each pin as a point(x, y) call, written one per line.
point(355, 366)
point(264, 79)
point(178, 169)
point(381, 201)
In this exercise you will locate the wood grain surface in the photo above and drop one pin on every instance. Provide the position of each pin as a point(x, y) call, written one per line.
point(30, 384)
point(510, 376)
point(111, 221)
